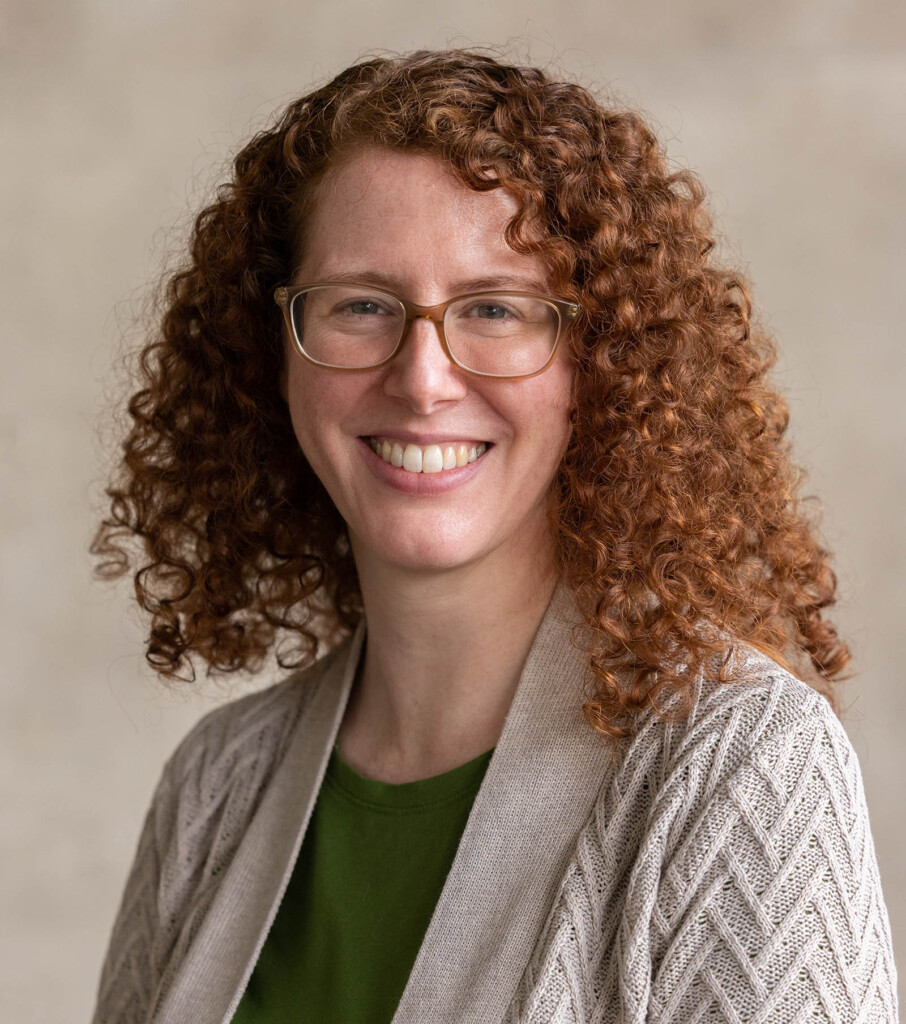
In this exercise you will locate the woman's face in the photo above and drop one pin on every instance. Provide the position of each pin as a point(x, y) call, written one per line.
point(401, 220)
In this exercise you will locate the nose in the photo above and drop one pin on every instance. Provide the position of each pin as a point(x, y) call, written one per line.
point(421, 374)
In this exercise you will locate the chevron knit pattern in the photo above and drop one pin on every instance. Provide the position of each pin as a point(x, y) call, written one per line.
point(741, 879)
point(727, 873)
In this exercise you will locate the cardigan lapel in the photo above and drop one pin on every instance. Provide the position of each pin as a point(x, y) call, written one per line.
point(220, 960)
point(538, 791)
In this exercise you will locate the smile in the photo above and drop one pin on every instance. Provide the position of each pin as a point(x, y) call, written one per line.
point(426, 458)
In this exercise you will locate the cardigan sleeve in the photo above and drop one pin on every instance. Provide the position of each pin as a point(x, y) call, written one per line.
point(141, 934)
point(769, 907)
point(208, 792)
point(190, 831)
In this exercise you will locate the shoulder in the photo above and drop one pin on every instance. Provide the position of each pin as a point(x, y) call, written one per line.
point(207, 794)
point(246, 736)
point(760, 695)
point(213, 783)
point(761, 707)
point(756, 857)
point(747, 752)
point(760, 768)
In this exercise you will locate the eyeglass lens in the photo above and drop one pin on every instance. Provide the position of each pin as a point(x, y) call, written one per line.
point(495, 333)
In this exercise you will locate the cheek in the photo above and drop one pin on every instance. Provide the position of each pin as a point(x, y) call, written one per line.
point(550, 406)
point(557, 425)
point(307, 403)
point(321, 404)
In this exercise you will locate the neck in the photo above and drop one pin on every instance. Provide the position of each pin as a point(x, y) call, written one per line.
point(444, 654)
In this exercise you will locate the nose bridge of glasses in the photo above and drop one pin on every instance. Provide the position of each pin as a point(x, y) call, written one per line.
point(434, 314)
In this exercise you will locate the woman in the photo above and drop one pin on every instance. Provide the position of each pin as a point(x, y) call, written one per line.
point(504, 453)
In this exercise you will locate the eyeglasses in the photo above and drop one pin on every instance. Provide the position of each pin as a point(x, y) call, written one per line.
point(359, 327)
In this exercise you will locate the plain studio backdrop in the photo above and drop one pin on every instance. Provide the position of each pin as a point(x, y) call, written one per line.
point(120, 116)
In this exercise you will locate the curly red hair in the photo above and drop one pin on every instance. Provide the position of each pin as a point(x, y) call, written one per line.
point(676, 504)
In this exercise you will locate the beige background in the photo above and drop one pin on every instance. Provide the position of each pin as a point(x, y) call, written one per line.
point(119, 115)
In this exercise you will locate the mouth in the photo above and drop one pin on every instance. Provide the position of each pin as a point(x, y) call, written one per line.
point(427, 458)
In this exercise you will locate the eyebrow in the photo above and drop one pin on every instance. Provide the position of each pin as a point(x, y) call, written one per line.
point(472, 284)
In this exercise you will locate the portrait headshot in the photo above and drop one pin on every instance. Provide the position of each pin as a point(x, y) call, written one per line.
point(488, 563)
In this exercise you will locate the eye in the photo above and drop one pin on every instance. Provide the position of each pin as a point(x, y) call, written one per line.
point(363, 307)
point(490, 311)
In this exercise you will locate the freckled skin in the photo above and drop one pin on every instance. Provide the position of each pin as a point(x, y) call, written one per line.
point(405, 215)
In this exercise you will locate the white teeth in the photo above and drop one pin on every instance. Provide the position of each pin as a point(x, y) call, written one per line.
point(433, 458)
point(412, 459)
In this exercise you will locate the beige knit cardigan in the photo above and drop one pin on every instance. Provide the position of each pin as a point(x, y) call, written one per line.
point(720, 869)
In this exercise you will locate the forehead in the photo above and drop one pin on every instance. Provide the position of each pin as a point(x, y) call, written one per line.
point(407, 213)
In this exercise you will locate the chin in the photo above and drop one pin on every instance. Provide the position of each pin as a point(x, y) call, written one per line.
point(429, 553)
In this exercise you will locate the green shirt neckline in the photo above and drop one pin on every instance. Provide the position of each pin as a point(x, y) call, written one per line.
point(401, 797)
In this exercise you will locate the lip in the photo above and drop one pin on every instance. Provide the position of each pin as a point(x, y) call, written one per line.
point(411, 437)
point(418, 483)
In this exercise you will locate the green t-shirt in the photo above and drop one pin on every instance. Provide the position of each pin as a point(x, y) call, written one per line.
point(369, 874)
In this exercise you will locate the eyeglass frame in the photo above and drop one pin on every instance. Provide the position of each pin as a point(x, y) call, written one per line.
point(566, 311)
